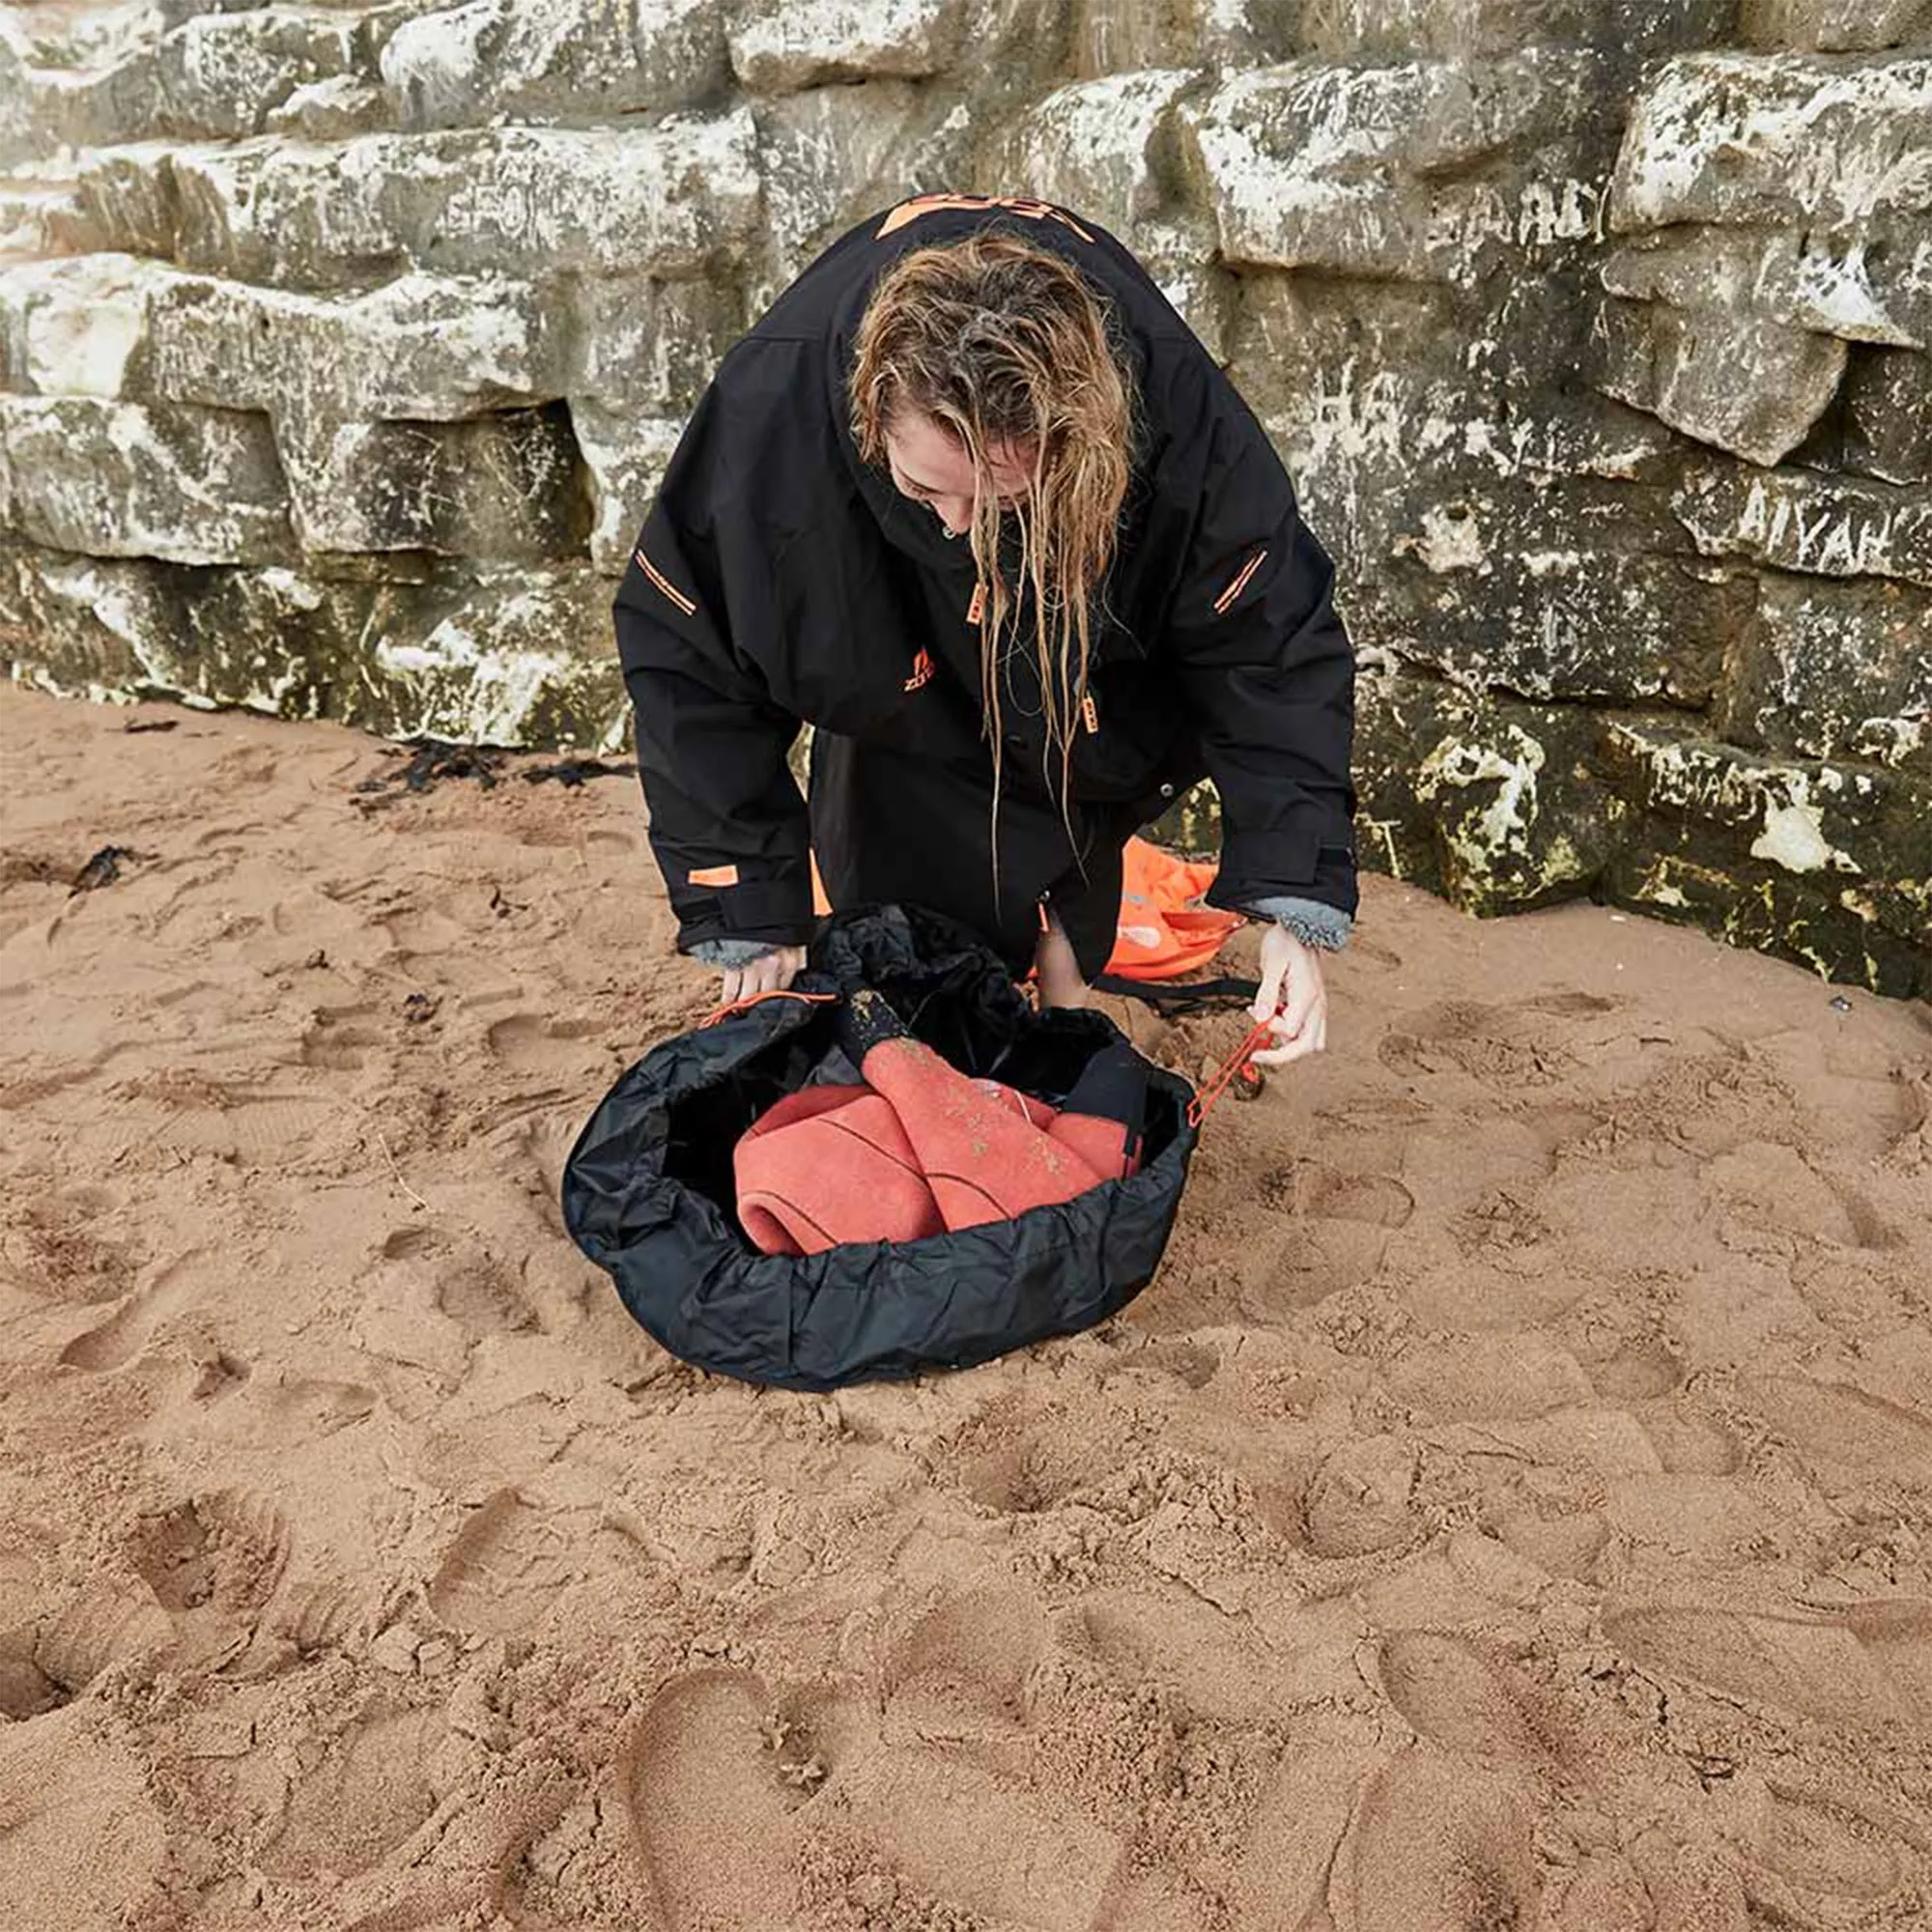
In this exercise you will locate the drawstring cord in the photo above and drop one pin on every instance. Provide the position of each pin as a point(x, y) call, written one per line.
point(1237, 1066)
point(752, 1000)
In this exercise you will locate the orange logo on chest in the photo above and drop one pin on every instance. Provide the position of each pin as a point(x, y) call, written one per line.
point(1012, 204)
point(921, 671)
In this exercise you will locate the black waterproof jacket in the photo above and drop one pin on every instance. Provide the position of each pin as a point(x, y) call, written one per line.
point(780, 578)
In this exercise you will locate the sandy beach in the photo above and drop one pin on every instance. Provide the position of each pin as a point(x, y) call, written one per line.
point(1510, 1507)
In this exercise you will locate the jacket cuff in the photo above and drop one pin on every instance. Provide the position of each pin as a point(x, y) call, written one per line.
point(726, 953)
point(1325, 927)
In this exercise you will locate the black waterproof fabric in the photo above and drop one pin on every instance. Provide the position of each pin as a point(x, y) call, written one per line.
point(648, 1195)
point(780, 578)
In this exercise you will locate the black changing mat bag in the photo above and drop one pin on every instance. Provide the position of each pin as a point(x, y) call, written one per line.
point(648, 1192)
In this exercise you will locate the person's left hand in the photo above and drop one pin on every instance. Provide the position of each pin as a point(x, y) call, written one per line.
point(1292, 982)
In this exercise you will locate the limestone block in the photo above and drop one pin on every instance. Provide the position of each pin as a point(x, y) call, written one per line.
point(1534, 601)
point(72, 326)
point(627, 456)
point(1835, 26)
point(1834, 670)
point(1889, 416)
point(1386, 171)
point(119, 479)
point(781, 45)
point(1863, 292)
point(1392, 29)
point(1796, 520)
point(508, 486)
point(1100, 147)
point(128, 199)
point(217, 74)
point(494, 657)
point(460, 64)
point(1746, 384)
point(270, 640)
point(1124, 36)
point(223, 73)
point(331, 110)
point(43, 217)
point(1829, 865)
point(832, 156)
point(435, 347)
point(1178, 253)
point(1778, 140)
point(644, 346)
point(673, 198)
point(1491, 802)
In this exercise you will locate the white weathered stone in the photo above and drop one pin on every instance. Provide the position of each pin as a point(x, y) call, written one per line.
point(1369, 171)
point(223, 73)
point(1126, 35)
point(513, 658)
point(1835, 26)
point(506, 656)
point(1179, 255)
point(505, 486)
point(1776, 139)
point(1854, 288)
point(127, 198)
point(1835, 671)
point(74, 325)
point(834, 154)
point(42, 217)
point(421, 346)
point(1097, 147)
point(784, 46)
point(270, 640)
point(331, 110)
point(673, 198)
point(1750, 386)
point(463, 64)
point(643, 346)
point(1800, 521)
point(118, 479)
point(627, 456)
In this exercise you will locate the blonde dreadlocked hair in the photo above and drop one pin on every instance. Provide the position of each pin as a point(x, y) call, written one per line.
point(999, 340)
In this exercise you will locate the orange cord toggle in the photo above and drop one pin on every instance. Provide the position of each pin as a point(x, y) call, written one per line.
point(779, 993)
point(1235, 1068)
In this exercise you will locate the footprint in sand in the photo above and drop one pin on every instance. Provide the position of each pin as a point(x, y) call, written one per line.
point(223, 1552)
point(529, 1043)
point(361, 1800)
point(511, 1562)
point(1306, 1187)
point(110, 1623)
point(1842, 1430)
point(1359, 1499)
point(1821, 1842)
point(59, 1255)
point(1525, 1043)
point(710, 1804)
point(339, 1039)
point(1437, 1847)
point(1458, 1697)
point(1862, 1670)
point(128, 1329)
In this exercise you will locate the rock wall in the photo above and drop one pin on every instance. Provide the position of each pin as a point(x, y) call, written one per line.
point(341, 345)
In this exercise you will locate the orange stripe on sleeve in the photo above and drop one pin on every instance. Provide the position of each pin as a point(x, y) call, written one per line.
point(1240, 583)
point(664, 585)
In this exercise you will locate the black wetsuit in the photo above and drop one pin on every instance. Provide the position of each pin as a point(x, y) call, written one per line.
point(780, 578)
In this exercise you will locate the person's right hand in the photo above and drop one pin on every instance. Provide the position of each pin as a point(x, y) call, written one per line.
point(770, 973)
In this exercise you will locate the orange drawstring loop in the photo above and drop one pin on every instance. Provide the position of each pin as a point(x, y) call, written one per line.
point(1235, 1068)
point(742, 1006)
